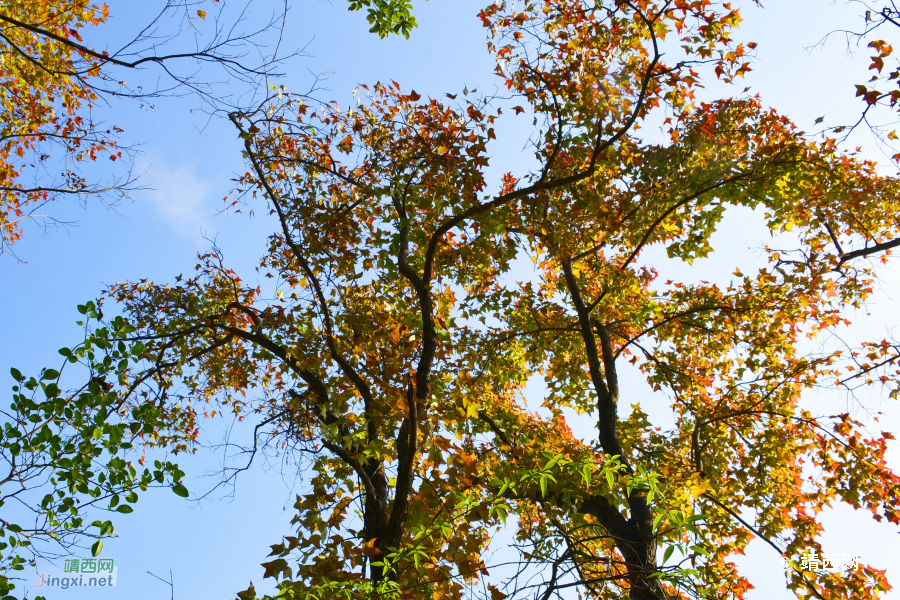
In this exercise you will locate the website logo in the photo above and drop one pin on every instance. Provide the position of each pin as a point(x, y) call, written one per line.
point(824, 563)
point(82, 572)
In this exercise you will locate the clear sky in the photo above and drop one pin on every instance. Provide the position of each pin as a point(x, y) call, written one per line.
point(214, 548)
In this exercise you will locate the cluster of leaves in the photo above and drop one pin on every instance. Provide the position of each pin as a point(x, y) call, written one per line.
point(395, 352)
point(879, 20)
point(387, 16)
point(875, 362)
point(64, 453)
point(876, 19)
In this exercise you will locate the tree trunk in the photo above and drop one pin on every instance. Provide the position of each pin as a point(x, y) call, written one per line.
point(640, 560)
point(375, 518)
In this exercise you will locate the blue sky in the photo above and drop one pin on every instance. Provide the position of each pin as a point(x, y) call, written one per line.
point(214, 548)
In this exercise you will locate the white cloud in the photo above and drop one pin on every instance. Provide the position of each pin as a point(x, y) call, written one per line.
point(180, 197)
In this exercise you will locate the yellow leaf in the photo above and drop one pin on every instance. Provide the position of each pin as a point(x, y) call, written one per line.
point(578, 267)
point(698, 488)
point(201, 14)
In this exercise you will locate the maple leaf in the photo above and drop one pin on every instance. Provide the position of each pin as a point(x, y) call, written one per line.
point(276, 567)
point(346, 144)
point(248, 594)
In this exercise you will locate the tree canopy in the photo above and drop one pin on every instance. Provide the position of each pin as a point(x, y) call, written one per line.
point(418, 293)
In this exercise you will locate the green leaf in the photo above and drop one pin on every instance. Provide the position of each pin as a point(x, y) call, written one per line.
point(125, 509)
point(17, 375)
point(695, 518)
point(668, 554)
point(97, 547)
point(180, 490)
point(699, 550)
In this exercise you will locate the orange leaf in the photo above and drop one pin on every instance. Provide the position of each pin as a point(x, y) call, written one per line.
point(369, 549)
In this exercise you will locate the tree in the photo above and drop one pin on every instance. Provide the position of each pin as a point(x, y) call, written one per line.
point(397, 349)
point(53, 83)
point(64, 453)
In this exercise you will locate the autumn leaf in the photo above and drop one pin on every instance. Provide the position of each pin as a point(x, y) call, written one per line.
point(495, 593)
point(346, 144)
point(276, 568)
point(368, 548)
point(248, 594)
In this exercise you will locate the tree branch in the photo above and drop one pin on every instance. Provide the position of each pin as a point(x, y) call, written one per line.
point(870, 250)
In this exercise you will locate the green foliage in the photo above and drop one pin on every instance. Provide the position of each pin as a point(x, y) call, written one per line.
point(63, 453)
point(387, 16)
